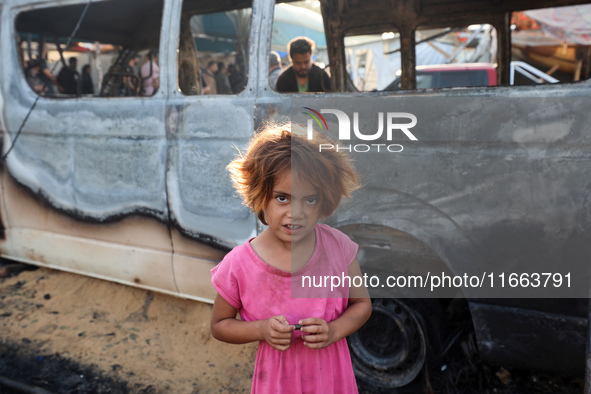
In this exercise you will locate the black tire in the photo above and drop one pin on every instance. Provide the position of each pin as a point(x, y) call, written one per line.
point(394, 352)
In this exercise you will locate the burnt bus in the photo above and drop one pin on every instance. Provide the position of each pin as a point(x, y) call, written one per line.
point(127, 182)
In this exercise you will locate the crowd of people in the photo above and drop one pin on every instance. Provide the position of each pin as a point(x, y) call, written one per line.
point(216, 78)
point(301, 76)
point(70, 81)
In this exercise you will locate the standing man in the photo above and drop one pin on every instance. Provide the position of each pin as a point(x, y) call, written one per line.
point(86, 83)
point(222, 81)
point(302, 75)
point(69, 78)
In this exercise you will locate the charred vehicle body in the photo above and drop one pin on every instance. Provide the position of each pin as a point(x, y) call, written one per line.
point(132, 188)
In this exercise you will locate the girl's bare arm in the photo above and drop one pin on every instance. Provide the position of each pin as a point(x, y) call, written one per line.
point(276, 331)
point(358, 312)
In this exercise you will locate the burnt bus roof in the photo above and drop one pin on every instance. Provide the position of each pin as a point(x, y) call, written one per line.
point(364, 12)
point(61, 21)
point(348, 16)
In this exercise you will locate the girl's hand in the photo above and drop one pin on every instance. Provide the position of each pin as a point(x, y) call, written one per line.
point(225, 327)
point(320, 336)
point(277, 332)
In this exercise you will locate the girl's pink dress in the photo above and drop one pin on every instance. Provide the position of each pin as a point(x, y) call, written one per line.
point(260, 291)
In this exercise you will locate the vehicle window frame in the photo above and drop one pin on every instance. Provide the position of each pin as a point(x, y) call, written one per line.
point(16, 45)
point(248, 74)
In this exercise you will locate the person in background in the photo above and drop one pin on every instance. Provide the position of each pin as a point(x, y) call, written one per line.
point(275, 69)
point(221, 80)
point(69, 78)
point(34, 77)
point(150, 73)
point(130, 86)
point(208, 75)
point(46, 75)
point(303, 75)
point(237, 77)
point(87, 84)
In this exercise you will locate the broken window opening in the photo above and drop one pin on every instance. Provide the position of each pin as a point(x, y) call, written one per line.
point(309, 72)
point(551, 45)
point(453, 57)
point(372, 60)
point(214, 48)
point(114, 52)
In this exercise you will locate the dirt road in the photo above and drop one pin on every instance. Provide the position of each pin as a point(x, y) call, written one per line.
point(68, 333)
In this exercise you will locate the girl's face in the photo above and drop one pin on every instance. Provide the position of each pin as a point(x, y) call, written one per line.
point(293, 210)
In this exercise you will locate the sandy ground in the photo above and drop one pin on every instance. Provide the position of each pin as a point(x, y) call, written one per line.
point(143, 341)
point(68, 333)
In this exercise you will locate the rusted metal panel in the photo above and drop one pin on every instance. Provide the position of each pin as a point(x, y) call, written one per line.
point(537, 339)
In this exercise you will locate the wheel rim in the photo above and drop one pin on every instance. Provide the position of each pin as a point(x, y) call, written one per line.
point(390, 346)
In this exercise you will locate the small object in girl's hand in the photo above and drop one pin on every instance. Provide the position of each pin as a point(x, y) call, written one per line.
point(297, 326)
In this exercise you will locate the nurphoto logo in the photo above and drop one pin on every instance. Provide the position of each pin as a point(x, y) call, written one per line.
point(393, 125)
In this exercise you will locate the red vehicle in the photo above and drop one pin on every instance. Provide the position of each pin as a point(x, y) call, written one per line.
point(451, 75)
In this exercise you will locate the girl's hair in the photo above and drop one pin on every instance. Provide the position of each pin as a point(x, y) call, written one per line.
point(277, 149)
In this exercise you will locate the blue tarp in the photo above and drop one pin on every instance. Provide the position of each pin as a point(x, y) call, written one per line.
point(217, 32)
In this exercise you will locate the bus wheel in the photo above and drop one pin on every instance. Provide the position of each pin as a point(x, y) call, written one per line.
point(390, 352)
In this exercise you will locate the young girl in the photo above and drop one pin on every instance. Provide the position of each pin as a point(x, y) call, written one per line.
point(290, 185)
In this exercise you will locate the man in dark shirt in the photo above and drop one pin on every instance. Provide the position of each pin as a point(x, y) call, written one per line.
point(222, 81)
point(69, 78)
point(302, 75)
